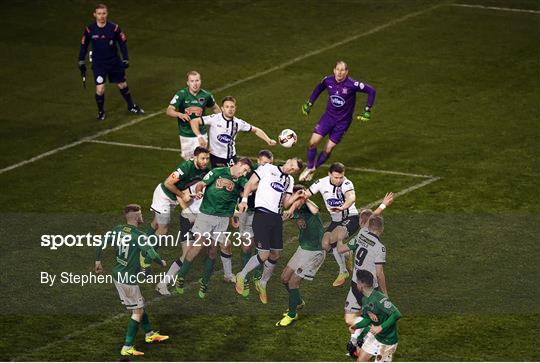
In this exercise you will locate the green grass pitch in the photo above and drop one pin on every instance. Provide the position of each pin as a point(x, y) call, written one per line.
point(457, 99)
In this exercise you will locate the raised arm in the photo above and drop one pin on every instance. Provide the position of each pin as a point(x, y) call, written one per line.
point(250, 187)
point(263, 136)
point(386, 202)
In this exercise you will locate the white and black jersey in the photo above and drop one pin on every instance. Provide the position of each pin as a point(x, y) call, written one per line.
point(368, 253)
point(273, 186)
point(222, 133)
point(334, 196)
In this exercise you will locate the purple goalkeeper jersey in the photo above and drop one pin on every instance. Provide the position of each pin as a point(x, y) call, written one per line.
point(341, 97)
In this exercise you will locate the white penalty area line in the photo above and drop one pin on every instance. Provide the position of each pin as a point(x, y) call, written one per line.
point(151, 147)
point(515, 10)
point(227, 86)
point(90, 327)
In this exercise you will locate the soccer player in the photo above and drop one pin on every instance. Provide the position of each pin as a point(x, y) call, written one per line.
point(378, 323)
point(339, 198)
point(106, 37)
point(246, 219)
point(187, 104)
point(309, 255)
point(222, 190)
point(128, 245)
point(369, 254)
point(337, 118)
point(223, 128)
point(274, 185)
point(169, 193)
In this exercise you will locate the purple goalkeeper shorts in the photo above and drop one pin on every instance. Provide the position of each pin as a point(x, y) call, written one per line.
point(336, 129)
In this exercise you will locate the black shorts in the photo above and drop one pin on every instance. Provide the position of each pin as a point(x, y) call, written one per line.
point(352, 224)
point(268, 231)
point(115, 72)
point(218, 162)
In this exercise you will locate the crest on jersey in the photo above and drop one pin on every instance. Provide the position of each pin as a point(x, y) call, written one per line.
point(226, 184)
point(344, 91)
point(387, 304)
point(277, 187)
point(334, 202)
point(224, 138)
point(301, 223)
point(337, 101)
point(201, 100)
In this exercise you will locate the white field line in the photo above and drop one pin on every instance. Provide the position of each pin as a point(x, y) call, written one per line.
point(227, 86)
point(515, 10)
point(151, 147)
point(156, 299)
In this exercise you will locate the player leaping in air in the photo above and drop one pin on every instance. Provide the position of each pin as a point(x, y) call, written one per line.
point(338, 116)
point(104, 37)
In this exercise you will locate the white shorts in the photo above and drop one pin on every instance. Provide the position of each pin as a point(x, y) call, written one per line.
point(162, 206)
point(195, 203)
point(306, 263)
point(189, 144)
point(381, 352)
point(215, 225)
point(246, 223)
point(351, 303)
point(130, 295)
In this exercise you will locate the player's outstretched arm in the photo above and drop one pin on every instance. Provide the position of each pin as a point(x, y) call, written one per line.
point(263, 136)
point(195, 126)
point(350, 198)
point(250, 187)
point(313, 208)
point(386, 202)
point(306, 107)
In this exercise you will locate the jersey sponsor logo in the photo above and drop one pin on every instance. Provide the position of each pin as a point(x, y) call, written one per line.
point(224, 138)
point(337, 101)
point(194, 110)
point(277, 187)
point(334, 202)
point(226, 184)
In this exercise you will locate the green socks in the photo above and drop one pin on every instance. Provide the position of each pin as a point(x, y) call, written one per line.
point(133, 327)
point(208, 269)
point(186, 266)
point(294, 301)
point(146, 323)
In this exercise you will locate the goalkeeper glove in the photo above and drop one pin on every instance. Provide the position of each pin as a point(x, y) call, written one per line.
point(126, 63)
point(82, 68)
point(365, 116)
point(306, 108)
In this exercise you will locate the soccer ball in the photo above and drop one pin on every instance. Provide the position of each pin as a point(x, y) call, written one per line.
point(287, 138)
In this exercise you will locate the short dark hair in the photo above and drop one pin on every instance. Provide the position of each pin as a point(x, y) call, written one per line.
point(228, 98)
point(266, 153)
point(300, 163)
point(298, 187)
point(337, 168)
point(365, 277)
point(199, 150)
point(131, 208)
point(100, 6)
point(246, 161)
